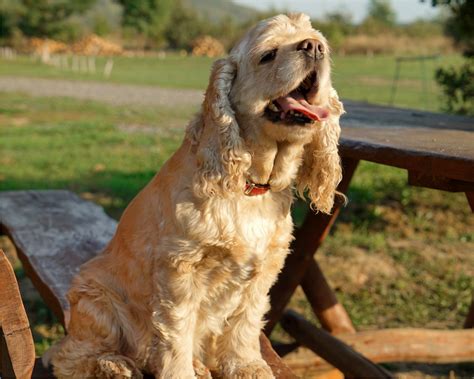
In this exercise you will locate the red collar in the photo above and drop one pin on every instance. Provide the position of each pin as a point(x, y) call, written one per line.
point(254, 189)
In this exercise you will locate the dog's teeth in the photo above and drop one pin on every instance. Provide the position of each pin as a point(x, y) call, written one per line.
point(273, 107)
point(292, 112)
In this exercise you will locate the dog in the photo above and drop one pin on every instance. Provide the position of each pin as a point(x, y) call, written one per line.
point(183, 285)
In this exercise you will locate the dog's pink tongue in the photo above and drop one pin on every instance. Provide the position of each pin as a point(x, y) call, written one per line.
point(295, 101)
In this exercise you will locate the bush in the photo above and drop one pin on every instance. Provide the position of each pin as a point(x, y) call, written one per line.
point(458, 88)
point(184, 27)
point(458, 84)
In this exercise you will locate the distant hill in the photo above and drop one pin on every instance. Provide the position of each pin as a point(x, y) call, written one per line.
point(215, 10)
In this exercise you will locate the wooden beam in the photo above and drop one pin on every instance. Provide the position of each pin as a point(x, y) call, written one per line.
point(307, 239)
point(470, 199)
point(18, 351)
point(469, 322)
point(419, 179)
point(328, 310)
point(279, 368)
point(334, 351)
point(403, 345)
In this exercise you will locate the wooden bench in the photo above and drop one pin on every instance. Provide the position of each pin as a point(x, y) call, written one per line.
point(54, 232)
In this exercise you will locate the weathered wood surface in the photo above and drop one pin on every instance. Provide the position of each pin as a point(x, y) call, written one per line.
point(431, 143)
point(16, 339)
point(352, 363)
point(54, 233)
point(398, 345)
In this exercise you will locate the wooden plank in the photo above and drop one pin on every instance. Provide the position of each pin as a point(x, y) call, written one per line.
point(279, 368)
point(337, 353)
point(419, 179)
point(328, 310)
point(399, 345)
point(17, 340)
point(307, 240)
point(54, 233)
point(432, 143)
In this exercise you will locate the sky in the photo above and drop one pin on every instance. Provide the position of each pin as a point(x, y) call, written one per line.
point(406, 10)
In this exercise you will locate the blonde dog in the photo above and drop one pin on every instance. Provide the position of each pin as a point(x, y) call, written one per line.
point(183, 285)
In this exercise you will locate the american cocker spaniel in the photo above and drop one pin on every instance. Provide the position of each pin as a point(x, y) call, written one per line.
point(183, 285)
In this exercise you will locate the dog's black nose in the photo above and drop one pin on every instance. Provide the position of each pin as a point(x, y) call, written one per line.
point(311, 46)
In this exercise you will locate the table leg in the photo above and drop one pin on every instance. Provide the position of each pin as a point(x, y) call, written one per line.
point(328, 310)
point(307, 239)
point(469, 322)
point(470, 199)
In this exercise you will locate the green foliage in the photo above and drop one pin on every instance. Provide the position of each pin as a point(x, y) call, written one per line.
point(103, 18)
point(381, 11)
point(335, 27)
point(148, 18)
point(458, 84)
point(41, 18)
point(380, 18)
point(423, 28)
point(48, 18)
point(10, 14)
point(460, 25)
point(185, 25)
point(458, 88)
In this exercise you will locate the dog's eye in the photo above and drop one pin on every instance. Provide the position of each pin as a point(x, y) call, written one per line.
point(268, 56)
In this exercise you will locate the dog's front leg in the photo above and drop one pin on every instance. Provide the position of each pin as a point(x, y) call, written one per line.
point(239, 346)
point(174, 319)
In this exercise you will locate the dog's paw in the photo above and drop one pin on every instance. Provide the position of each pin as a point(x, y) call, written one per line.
point(201, 371)
point(117, 367)
point(253, 370)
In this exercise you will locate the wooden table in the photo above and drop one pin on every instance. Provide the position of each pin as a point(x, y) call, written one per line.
point(437, 150)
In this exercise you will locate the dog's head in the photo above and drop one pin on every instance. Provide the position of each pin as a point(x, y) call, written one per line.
point(274, 86)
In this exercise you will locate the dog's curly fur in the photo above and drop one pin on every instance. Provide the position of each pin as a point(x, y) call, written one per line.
point(183, 285)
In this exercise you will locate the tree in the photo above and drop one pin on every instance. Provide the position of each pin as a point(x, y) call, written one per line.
point(46, 18)
point(10, 14)
point(458, 83)
point(39, 18)
point(382, 11)
point(184, 27)
point(147, 17)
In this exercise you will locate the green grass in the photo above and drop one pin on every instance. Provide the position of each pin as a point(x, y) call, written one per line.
point(355, 77)
point(172, 71)
point(84, 146)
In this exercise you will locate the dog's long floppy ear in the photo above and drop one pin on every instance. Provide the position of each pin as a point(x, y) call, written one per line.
point(222, 158)
point(321, 171)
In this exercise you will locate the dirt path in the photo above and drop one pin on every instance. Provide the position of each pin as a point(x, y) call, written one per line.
point(111, 93)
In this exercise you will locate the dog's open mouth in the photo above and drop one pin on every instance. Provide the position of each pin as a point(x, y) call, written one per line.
point(294, 107)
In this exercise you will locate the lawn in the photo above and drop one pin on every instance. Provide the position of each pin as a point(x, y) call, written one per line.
point(355, 77)
point(398, 255)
